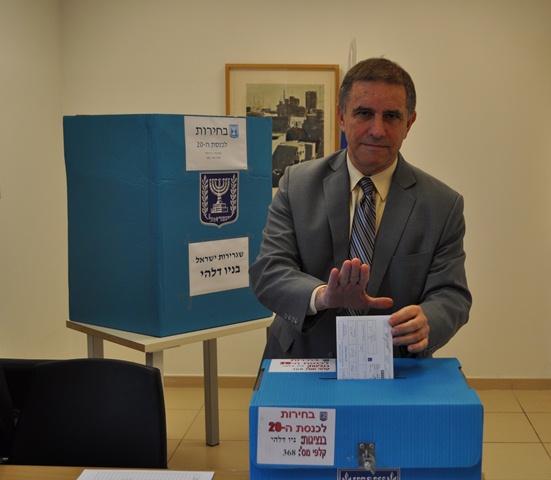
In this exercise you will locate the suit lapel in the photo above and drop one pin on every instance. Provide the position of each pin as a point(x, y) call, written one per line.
point(337, 201)
point(398, 208)
point(399, 205)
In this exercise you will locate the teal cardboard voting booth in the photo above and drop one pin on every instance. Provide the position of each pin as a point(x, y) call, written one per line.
point(165, 214)
point(425, 424)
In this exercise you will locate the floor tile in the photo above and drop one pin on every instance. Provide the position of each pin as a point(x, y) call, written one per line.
point(515, 461)
point(184, 398)
point(534, 400)
point(508, 427)
point(171, 446)
point(195, 455)
point(499, 401)
point(178, 422)
point(234, 425)
point(542, 425)
point(234, 398)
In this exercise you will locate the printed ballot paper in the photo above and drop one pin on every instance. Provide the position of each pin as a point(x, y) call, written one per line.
point(92, 474)
point(364, 348)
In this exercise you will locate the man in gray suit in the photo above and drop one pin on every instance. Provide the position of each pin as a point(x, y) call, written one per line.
point(417, 276)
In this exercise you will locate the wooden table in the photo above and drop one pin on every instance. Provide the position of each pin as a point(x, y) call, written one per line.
point(25, 472)
point(154, 347)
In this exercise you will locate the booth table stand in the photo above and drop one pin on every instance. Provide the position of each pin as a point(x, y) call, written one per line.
point(153, 347)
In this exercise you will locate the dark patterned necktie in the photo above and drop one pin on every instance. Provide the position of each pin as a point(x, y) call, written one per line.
point(362, 238)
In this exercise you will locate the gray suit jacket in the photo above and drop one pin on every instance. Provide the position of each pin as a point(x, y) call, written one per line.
point(418, 256)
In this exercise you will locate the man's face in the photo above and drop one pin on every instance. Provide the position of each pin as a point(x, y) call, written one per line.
point(375, 123)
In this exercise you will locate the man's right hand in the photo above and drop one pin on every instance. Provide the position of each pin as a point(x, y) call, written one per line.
point(346, 289)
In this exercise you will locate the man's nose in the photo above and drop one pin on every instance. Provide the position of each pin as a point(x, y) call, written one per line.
point(376, 127)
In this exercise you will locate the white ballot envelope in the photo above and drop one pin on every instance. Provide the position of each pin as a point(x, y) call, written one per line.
point(364, 347)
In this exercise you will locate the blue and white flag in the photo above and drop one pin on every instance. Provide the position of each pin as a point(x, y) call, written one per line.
point(351, 63)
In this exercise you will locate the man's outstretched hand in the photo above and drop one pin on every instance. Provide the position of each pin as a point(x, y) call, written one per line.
point(346, 289)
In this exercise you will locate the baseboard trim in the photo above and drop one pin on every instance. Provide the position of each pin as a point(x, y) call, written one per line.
point(510, 383)
point(196, 381)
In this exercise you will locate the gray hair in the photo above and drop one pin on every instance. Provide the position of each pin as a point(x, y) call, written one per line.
point(378, 70)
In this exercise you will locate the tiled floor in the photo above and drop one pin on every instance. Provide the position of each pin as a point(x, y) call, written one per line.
point(517, 432)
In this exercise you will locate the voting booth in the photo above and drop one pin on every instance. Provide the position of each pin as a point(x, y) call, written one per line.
point(165, 215)
point(425, 424)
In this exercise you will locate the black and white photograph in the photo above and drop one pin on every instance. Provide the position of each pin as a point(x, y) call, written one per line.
point(300, 100)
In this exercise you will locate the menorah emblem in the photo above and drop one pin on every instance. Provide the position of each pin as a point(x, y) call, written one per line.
point(219, 186)
point(219, 195)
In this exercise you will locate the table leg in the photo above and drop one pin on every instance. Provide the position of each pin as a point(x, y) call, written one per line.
point(210, 367)
point(156, 359)
point(95, 346)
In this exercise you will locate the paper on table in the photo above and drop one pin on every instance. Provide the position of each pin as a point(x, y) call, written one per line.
point(90, 474)
point(364, 347)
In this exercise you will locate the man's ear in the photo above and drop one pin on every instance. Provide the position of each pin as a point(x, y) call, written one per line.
point(412, 119)
point(340, 116)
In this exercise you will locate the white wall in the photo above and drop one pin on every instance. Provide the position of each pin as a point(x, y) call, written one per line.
point(33, 225)
point(482, 71)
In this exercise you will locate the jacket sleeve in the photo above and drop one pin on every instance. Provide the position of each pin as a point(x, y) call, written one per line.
point(280, 276)
point(446, 298)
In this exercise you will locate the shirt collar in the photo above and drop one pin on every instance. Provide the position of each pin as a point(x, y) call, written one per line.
point(381, 180)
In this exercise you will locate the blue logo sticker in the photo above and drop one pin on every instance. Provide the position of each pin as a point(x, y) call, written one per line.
point(234, 130)
point(219, 198)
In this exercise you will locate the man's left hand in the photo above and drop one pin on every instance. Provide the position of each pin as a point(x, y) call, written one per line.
point(410, 328)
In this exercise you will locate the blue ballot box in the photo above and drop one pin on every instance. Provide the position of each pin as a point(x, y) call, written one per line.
point(425, 424)
point(165, 215)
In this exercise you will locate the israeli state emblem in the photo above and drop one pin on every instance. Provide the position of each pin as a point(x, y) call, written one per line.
point(219, 198)
point(234, 130)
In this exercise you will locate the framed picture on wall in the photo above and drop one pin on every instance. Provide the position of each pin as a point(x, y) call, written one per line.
point(301, 101)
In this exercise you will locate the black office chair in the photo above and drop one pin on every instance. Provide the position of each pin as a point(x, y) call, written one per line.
point(92, 413)
point(15, 375)
point(7, 420)
point(18, 373)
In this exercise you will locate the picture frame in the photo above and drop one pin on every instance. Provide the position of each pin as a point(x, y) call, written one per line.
point(300, 99)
